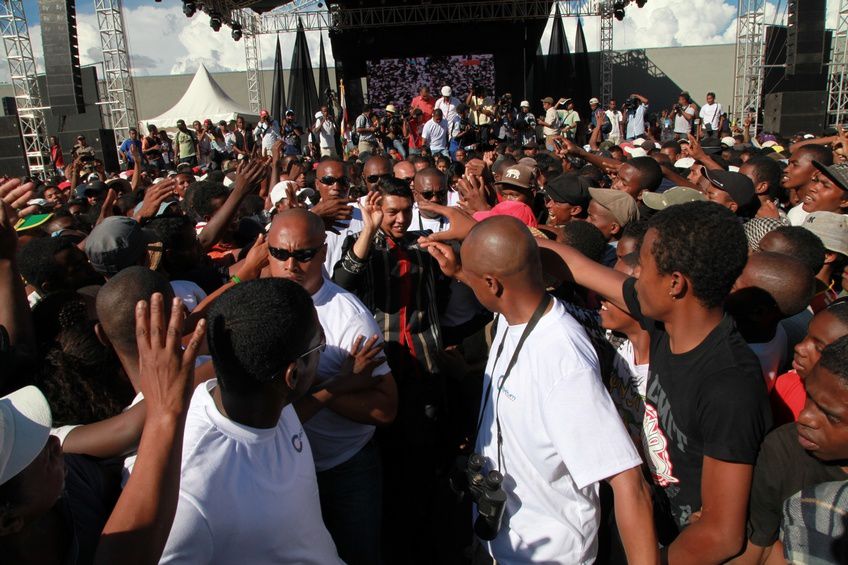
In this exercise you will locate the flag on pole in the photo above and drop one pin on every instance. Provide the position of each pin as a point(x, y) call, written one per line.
point(345, 132)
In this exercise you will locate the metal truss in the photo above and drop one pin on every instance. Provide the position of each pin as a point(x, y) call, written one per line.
point(606, 51)
point(338, 18)
point(119, 91)
point(252, 57)
point(750, 55)
point(24, 77)
point(837, 95)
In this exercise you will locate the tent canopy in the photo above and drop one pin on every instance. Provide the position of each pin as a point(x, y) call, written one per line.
point(203, 99)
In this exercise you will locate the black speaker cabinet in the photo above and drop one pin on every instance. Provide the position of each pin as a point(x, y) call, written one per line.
point(788, 113)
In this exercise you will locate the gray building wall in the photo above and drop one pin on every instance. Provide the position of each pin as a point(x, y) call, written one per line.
point(658, 74)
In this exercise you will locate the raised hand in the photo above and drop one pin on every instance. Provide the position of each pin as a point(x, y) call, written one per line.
point(256, 260)
point(372, 212)
point(249, 175)
point(16, 194)
point(365, 356)
point(107, 209)
point(154, 196)
point(444, 256)
point(474, 193)
point(461, 221)
point(333, 211)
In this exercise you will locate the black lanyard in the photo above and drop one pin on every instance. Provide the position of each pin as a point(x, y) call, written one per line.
point(531, 325)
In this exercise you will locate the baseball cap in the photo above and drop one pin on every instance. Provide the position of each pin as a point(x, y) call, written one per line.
point(91, 188)
point(524, 104)
point(446, 91)
point(548, 100)
point(672, 196)
point(289, 111)
point(64, 185)
point(837, 173)
point(831, 228)
point(25, 422)
point(279, 191)
point(116, 243)
point(318, 115)
point(390, 108)
point(738, 186)
point(620, 204)
point(569, 189)
point(594, 101)
point(518, 175)
point(769, 143)
point(729, 141)
point(635, 152)
point(180, 122)
point(528, 161)
point(518, 210)
point(684, 163)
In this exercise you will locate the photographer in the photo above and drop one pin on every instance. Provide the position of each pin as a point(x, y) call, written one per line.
point(482, 113)
point(569, 119)
point(391, 131)
point(635, 108)
point(412, 126)
point(525, 124)
point(551, 123)
point(462, 132)
point(325, 130)
point(684, 114)
point(712, 117)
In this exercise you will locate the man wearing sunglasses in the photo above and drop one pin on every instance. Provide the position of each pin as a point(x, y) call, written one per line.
point(431, 185)
point(340, 426)
point(376, 167)
point(340, 217)
point(403, 288)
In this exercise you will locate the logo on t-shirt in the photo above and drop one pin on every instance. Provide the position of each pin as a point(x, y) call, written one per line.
point(297, 441)
point(656, 445)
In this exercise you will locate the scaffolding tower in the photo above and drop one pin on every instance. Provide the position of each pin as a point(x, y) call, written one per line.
point(120, 95)
point(24, 78)
point(606, 50)
point(249, 23)
point(837, 99)
point(750, 56)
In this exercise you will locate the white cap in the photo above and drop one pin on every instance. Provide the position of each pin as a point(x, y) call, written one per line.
point(733, 168)
point(318, 115)
point(24, 428)
point(635, 152)
point(594, 101)
point(809, 136)
point(524, 104)
point(684, 163)
point(729, 141)
point(391, 108)
point(446, 91)
point(279, 191)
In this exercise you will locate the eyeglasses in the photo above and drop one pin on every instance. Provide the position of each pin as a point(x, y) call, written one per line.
point(320, 347)
point(429, 194)
point(373, 179)
point(300, 255)
point(330, 180)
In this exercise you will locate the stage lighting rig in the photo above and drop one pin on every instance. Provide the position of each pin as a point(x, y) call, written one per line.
point(618, 10)
point(236, 31)
point(189, 8)
point(215, 21)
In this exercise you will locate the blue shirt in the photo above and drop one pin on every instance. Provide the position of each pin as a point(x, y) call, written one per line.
point(125, 149)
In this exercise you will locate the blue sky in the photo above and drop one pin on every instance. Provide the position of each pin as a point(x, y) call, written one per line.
point(163, 41)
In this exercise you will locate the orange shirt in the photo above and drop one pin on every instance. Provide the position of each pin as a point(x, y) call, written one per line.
point(425, 105)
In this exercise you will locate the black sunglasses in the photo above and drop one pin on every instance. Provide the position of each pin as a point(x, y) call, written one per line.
point(300, 255)
point(429, 194)
point(376, 178)
point(331, 180)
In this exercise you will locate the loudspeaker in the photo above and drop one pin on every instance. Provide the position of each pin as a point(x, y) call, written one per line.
point(775, 78)
point(10, 106)
point(103, 142)
point(12, 159)
point(61, 56)
point(805, 53)
point(788, 113)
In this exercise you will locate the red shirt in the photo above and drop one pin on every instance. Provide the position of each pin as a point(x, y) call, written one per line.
point(787, 398)
point(426, 105)
point(56, 157)
point(415, 139)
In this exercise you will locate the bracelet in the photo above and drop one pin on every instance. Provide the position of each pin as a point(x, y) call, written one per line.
point(235, 279)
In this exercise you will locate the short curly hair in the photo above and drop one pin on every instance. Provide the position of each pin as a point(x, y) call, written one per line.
point(706, 243)
point(203, 193)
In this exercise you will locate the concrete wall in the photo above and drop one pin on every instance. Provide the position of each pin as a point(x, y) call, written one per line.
point(660, 74)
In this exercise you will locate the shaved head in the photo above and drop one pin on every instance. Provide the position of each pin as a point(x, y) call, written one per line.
point(786, 279)
point(299, 220)
point(117, 299)
point(502, 246)
point(296, 231)
point(404, 170)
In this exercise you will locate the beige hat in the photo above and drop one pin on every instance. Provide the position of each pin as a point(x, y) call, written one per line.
point(518, 175)
point(620, 204)
point(524, 104)
point(831, 228)
point(594, 101)
point(672, 196)
point(25, 422)
point(391, 108)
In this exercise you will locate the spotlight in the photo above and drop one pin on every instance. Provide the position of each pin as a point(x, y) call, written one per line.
point(189, 8)
point(618, 10)
point(215, 21)
point(236, 31)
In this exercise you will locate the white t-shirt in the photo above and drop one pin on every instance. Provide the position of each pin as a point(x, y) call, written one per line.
point(327, 133)
point(711, 114)
point(797, 215)
point(681, 124)
point(247, 495)
point(561, 435)
point(334, 438)
point(436, 134)
point(448, 107)
point(552, 118)
point(615, 118)
point(628, 385)
point(420, 223)
point(335, 240)
point(772, 355)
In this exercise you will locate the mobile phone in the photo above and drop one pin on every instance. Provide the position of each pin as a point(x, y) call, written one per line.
point(558, 143)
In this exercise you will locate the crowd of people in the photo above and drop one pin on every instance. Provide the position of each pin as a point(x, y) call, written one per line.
point(431, 346)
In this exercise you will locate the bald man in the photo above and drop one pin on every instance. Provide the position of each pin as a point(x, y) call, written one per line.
point(340, 425)
point(547, 422)
point(404, 170)
point(771, 288)
point(430, 184)
point(376, 167)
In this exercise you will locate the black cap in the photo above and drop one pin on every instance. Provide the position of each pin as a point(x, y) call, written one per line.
point(837, 173)
point(116, 243)
point(738, 186)
point(569, 189)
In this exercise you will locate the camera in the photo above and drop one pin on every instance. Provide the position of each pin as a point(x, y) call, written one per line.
point(485, 491)
point(677, 108)
point(631, 103)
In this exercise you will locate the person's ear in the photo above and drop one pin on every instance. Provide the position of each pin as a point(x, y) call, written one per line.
point(576, 211)
point(101, 335)
point(291, 377)
point(493, 285)
point(678, 285)
point(10, 522)
point(615, 229)
point(733, 207)
point(829, 257)
point(761, 188)
point(843, 203)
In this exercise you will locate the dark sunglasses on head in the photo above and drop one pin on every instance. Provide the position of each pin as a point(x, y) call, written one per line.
point(371, 179)
point(300, 255)
point(330, 180)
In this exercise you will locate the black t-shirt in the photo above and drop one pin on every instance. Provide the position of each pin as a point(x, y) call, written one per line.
point(783, 468)
point(710, 401)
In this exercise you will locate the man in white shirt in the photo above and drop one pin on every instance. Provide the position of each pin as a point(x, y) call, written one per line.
point(635, 117)
point(325, 130)
point(712, 117)
point(341, 428)
point(447, 104)
point(615, 118)
point(248, 492)
point(684, 112)
point(333, 185)
point(551, 123)
point(547, 423)
point(435, 133)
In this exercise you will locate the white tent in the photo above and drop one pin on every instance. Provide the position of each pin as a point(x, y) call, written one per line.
point(203, 99)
